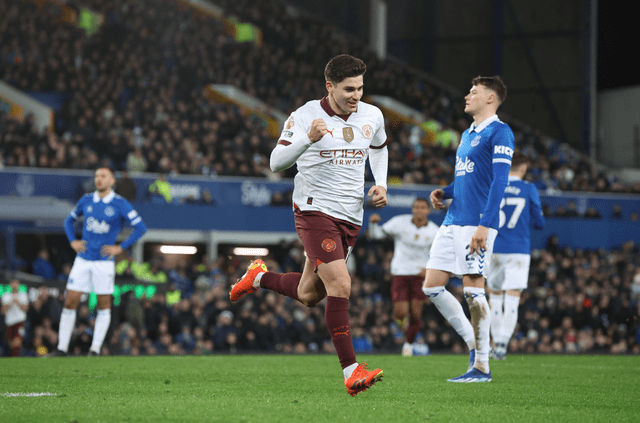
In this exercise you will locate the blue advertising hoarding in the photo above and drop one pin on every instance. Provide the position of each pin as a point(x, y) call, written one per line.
point(243, 204)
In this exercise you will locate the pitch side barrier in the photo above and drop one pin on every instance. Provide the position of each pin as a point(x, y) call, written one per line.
point(258, 205)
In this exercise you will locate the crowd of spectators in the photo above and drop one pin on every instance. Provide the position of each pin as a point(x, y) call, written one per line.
point(134, 94)
point(577, 302)
point(134, 99)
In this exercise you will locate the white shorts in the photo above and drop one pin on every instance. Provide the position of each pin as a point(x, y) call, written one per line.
point(509, 271)
point(450, 251)
point(92, 276)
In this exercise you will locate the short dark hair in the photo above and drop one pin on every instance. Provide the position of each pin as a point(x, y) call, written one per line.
point(342, 67)
point(519, 158)
point(109, 168)
point(494, 83)
point(421, 199)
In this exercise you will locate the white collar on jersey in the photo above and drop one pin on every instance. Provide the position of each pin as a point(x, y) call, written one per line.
point(106, 200)
point(514, 178)
point(484, 124)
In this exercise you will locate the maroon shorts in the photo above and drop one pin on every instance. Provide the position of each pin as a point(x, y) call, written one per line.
point(325, 238)
point(15, 331)
point(407, 288)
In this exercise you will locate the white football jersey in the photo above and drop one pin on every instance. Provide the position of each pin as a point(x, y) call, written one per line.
point(412, 244)
point(14, 313)
point(331, 171)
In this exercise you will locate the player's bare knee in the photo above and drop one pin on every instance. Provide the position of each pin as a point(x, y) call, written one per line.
point(104, 302)
point(72, 302)
point(340, 290)
point(310, 299)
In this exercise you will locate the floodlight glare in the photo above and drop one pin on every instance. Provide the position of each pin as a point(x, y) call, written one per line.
point(178, 249)
point(250, 251)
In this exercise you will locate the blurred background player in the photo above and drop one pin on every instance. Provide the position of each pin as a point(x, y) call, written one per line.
point(511, 257)
point(15, 305)
point(329, 140)
point(94, 267)
point(464, 243)
point(413, 235)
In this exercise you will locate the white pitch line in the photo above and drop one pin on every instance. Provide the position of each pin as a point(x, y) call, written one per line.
point(27, 394)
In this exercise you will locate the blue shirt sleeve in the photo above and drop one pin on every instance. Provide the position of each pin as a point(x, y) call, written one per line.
point(448, 191)
point(496, 192)
point(536, 209)
point(139, 228)
point(503, 144)
point(71, 219)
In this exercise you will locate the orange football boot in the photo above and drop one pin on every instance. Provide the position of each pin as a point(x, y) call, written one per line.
point(245, 283)
point(362, 378)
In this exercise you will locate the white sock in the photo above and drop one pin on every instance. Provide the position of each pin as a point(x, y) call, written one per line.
point(256, 281)
point(103, 320)
point(347, 371)
point(481, 322)
point(510, 319)
point(497, 316)
point(451, 309)
point(67, 323)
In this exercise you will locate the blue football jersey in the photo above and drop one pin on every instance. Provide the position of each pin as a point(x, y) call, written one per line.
point(103, 219)
point(519, 208)
point(483, 158)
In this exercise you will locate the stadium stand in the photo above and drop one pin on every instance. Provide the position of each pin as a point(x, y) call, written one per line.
point(135, 88)
point(133, 96)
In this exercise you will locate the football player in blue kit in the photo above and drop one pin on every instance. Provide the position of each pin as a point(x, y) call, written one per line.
point(509, 271)
point(93, 269)
point(464, 243)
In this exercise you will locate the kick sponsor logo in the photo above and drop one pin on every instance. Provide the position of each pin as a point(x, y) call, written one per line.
point(503, 149)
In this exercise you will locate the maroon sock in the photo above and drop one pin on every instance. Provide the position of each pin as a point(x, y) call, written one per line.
point(285, 284)
point(15, 351)
point(336, 315)
point(412, 330)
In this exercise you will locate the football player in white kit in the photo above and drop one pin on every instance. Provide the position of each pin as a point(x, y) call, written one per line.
point(509, 271)
point(94, 267)
point(413, 235)
point(464, 243)
point(329, 140)
point(15, 305)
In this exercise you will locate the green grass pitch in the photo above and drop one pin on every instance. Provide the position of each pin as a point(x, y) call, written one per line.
point(309, 388)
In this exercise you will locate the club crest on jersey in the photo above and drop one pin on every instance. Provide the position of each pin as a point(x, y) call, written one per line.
point(289, 123)
point(347, 133)
point(89, 209)
point(367, 132)
point(464, 167)
point(475, 141)
point(109, 211)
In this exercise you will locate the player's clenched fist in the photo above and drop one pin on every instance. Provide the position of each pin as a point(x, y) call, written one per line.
point(379, 196)
point(318, 130)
